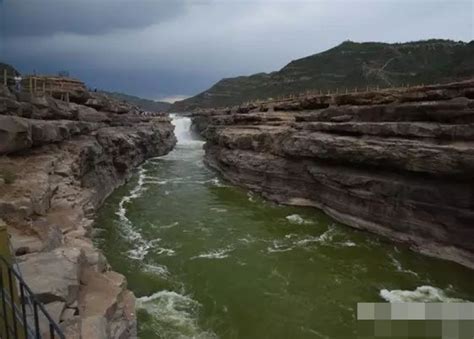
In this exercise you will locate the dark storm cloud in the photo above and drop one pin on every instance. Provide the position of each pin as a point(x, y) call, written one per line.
point(157, 48)
point(85, 17)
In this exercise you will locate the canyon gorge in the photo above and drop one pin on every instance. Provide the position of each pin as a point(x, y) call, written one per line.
point(128, 224)
point(396, 162)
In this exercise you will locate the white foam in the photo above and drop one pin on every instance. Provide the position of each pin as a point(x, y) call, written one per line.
point(199, 163)
point(216, 182)
point(166, 251)
point(140, 245)
point(348, 243)
point(315, 333)
point(182, 154)
point(293, 240)
point(181, 180)
point(173, 224)
point(279, 248)
point(297, 219)
point(159, 270)
point(218, 210)
point(174, 315)
point(134, 193)
point(248, 239)
point(139, 252)
point(399, 267)
point(155, 182)
point(324, 238)
point(420, 294)
point(216, 254)
point(213, 182)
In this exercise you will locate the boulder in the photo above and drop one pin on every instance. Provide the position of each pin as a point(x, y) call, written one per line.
point(102, 102)
point(54, 310)
point(72, 328)
point(9, 106)
point(89, 114)
point(104, 298)
point(101, 293)
point(18, 134)
point(94, 327)
point(38, 101)
point(15, 134)
point(53, 276)
point(47, 131)
point(5, 92)
point(24, 244)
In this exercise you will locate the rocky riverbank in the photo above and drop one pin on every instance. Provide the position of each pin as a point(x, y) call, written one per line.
point(399, 163)
point(58, 162)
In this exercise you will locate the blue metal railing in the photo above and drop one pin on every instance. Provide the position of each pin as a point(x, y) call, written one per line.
point(20, 311)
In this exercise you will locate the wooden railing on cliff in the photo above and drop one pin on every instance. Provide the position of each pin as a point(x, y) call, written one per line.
point(40, 85)
point(329, 92)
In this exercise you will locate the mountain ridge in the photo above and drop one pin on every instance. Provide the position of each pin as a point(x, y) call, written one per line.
point(347, 65)
point(144, 104)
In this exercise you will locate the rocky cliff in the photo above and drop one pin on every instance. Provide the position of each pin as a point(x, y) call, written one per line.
point(399, 163)
point(58, 162)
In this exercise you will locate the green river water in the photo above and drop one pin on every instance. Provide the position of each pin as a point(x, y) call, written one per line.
point(210, 260)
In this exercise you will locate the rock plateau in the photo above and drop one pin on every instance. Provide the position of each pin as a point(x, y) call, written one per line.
point(397, 162)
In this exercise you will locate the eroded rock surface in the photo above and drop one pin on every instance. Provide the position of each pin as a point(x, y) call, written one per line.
point(58, 162)
point(398, 163)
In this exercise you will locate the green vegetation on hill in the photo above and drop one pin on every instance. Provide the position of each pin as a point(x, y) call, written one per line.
point(348, 65)
point(144, 104)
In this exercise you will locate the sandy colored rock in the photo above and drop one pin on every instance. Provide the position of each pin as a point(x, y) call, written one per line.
point(94, 327)
point(72, 328)
point(53, 276)
point(24, 244)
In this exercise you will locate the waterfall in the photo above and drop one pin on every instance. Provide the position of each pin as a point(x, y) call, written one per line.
point(182, 130)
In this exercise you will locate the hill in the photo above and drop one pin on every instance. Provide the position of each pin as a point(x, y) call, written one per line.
point(347, 65)
point(144, 104)
point(10, 69)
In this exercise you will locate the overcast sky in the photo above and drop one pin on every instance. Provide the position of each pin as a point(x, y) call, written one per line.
point(166, 48)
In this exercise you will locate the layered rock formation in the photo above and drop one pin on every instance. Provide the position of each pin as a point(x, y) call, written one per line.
point(398, 163)
point(59, 162)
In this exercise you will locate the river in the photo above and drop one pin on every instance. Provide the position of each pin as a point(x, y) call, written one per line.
point(210, 260)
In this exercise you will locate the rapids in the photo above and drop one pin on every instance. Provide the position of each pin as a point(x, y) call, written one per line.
point(210, 260)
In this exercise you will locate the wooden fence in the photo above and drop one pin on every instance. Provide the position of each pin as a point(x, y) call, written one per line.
point(5, 77)
point(329, 92)
point(41, 85)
